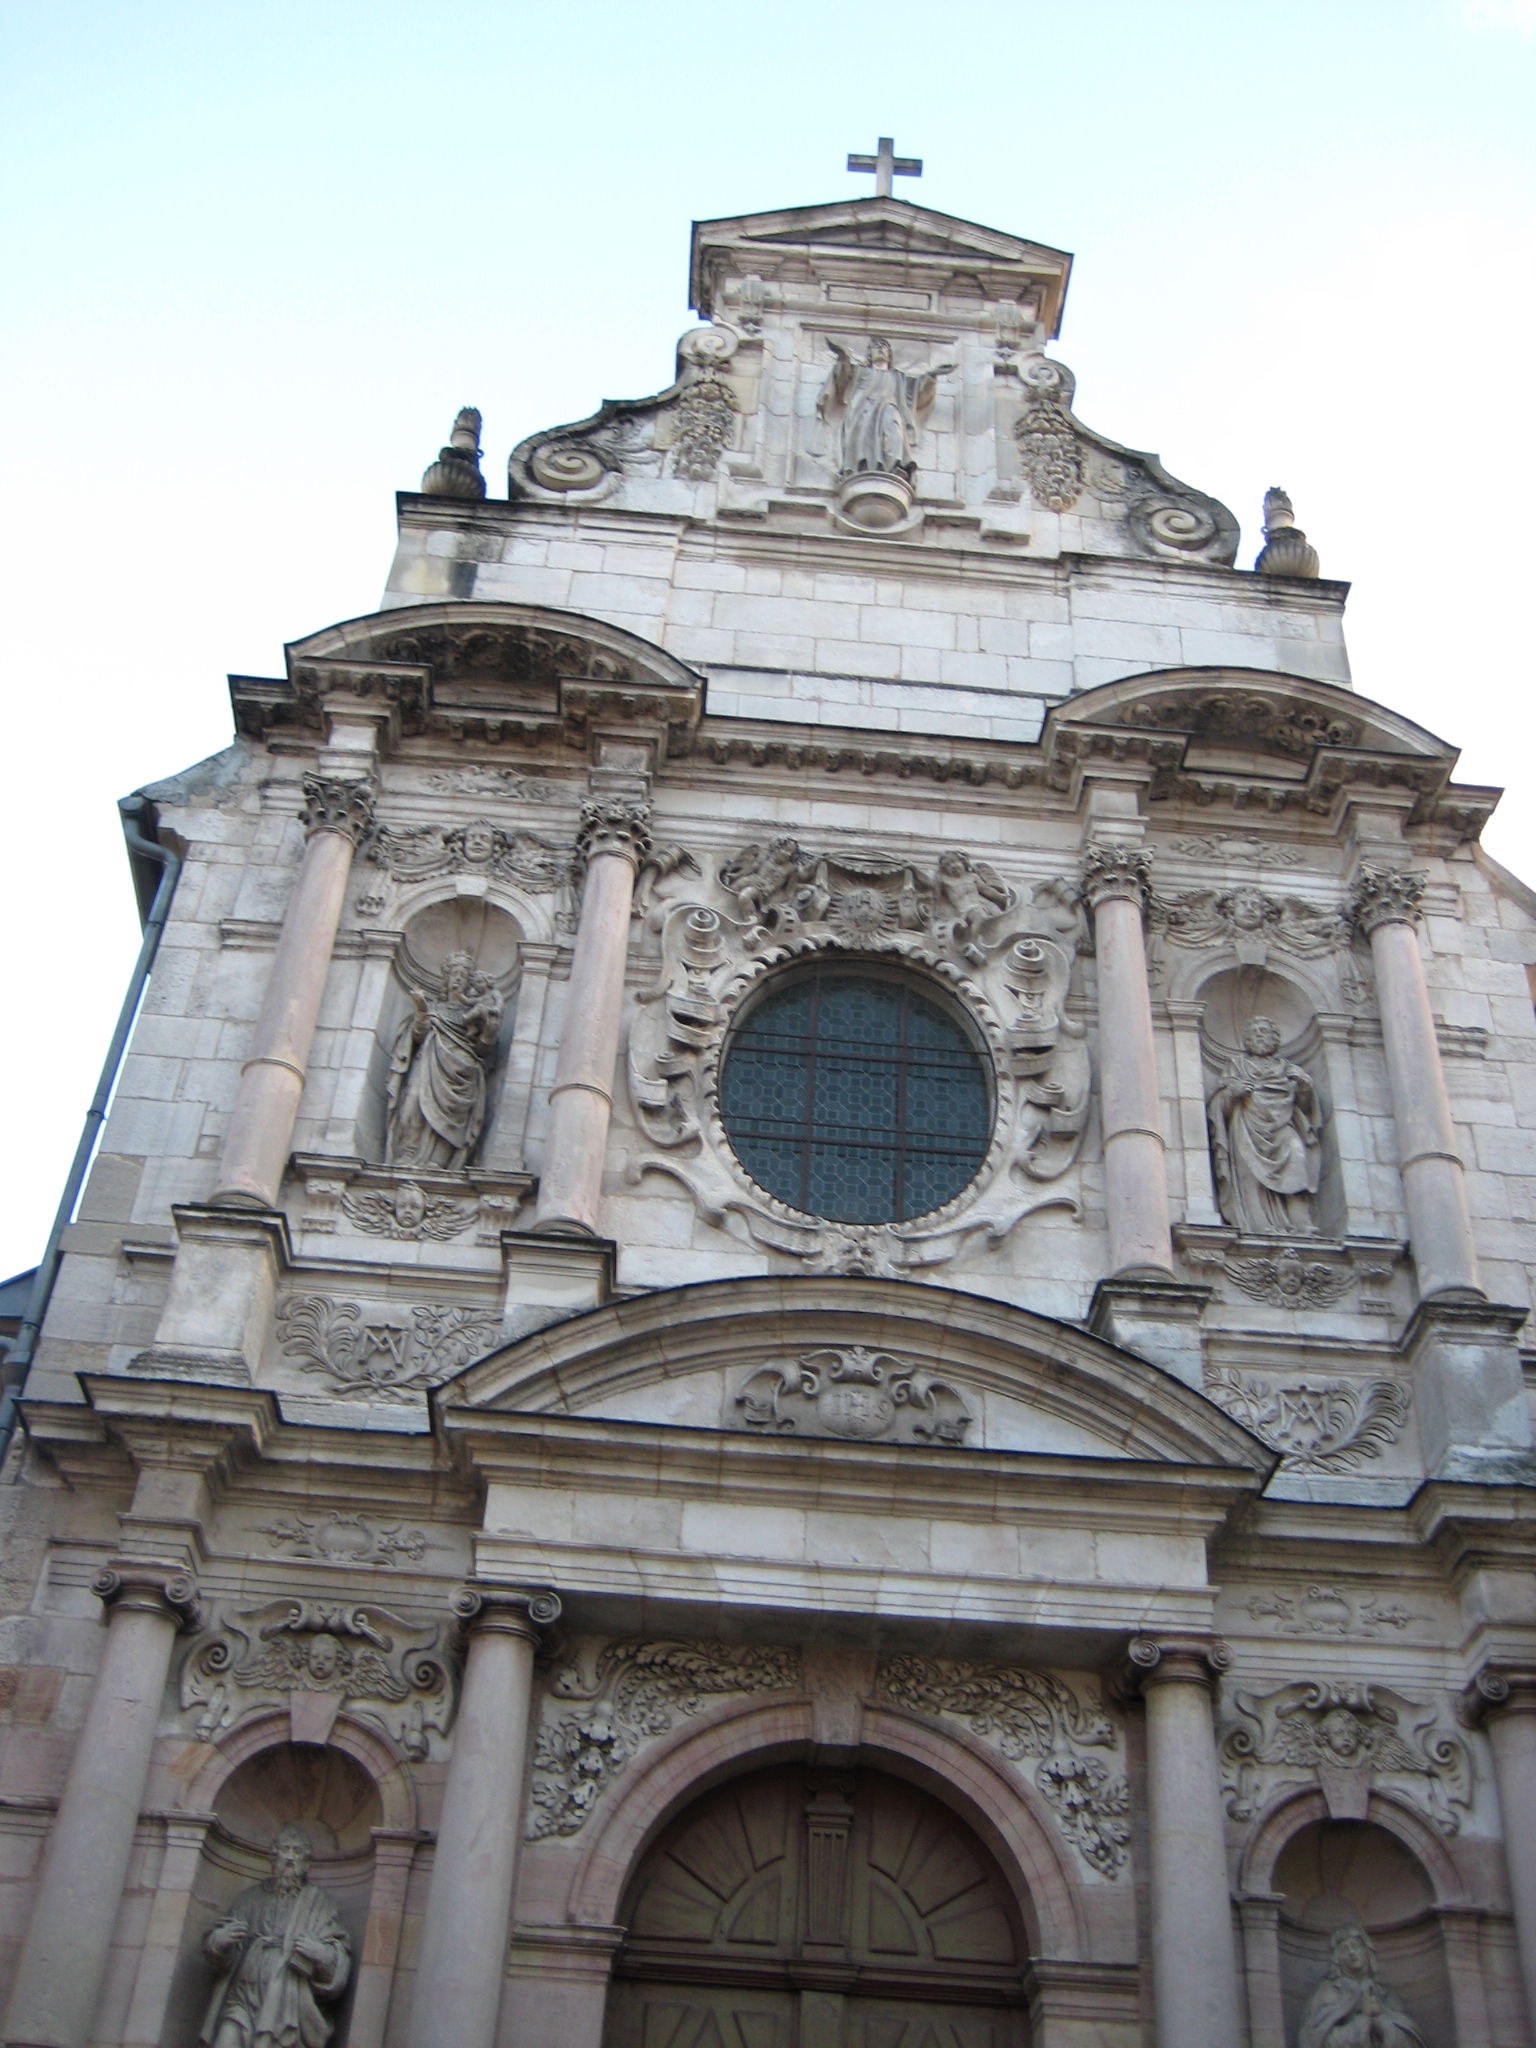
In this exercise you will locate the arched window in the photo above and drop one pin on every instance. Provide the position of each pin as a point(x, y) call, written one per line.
point(855, 1094)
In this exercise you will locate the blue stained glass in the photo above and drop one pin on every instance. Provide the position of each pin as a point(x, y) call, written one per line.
point(856, 1097)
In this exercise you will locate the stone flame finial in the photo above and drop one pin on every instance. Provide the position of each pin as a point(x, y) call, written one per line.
point(1286, 550)
point(456, 472)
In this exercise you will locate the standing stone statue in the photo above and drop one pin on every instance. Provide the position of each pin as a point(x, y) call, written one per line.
point(281, 1951)
point(437, 1073)
point(1264, 1121)
point(882, 409)
point(1352, 2008)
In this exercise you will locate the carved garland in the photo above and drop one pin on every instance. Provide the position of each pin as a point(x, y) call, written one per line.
point(631, 1692)
point(1030, 1715)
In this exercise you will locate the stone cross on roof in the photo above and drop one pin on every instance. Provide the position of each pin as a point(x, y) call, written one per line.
point(887, 165)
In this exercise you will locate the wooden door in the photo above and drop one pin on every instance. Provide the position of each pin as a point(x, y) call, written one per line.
point(802, 1909)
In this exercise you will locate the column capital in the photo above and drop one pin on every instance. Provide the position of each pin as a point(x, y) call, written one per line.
point(615, 824)
point(1109, 870)
point(1499, 1689)
point(505, 1610)
point(1175, 1660)
point(130, 1586)
point(1384, 895)
point(336, 804)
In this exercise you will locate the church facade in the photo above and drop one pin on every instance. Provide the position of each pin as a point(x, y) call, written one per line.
point(801, 1319)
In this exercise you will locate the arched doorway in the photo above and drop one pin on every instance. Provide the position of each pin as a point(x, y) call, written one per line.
point(799, 1908)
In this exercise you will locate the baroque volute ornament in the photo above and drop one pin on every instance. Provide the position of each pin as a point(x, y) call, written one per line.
point(332, 804)
point(1343, 1738)
point(1049, 452)
point(1265, 1125)
point(436, 1095)
point(1352, 2007)
point(456, 472)
point(315, 1656)
point(1388, 896)
point(283, 1958)
point(869, 1396)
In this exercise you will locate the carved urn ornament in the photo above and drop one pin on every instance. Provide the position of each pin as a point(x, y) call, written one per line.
point(1286, 550)
point(456, 472)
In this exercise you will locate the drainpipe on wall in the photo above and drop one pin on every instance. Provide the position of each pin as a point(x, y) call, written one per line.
point(139, 820)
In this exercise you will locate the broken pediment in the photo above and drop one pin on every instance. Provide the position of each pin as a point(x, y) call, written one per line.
point(856, 1361)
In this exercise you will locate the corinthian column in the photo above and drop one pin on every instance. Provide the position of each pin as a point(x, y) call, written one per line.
point(74, 1913)
point(615, 837)
point(1115, 886)
point(1505, 1701)
point(1387, 907)
point(336, 814)
point(1194, 1968)
point(469, 1904)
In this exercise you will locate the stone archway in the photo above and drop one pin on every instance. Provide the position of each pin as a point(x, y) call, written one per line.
point(796, 1907)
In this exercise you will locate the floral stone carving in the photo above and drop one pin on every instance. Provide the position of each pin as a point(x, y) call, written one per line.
point(1324, 1610)
point(704, 421)
point(1344, 1738)
point(397, 1672)
point(857, 1393)
point(1009, 957)
point(1049, 453)
point(630, 1692)
point(383, 1353)
point(1031, 1715)
point(343, 1538)
point(1316, 1425)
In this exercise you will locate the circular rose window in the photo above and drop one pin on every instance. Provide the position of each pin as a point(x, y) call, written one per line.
point(855, 1095)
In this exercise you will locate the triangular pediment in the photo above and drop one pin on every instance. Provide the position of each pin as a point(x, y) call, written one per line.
point(863, 1361)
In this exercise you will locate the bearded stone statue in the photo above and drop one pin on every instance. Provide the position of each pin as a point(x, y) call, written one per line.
point(1352, 2008)
point(283, 1954)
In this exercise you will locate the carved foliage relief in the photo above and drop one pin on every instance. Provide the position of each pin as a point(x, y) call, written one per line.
point(1343, 1738)
point(1322, 1426)
point(1032, 1717)
point(607, 1700)
point(1007, 955)
point(391, 1353)
point(376, 1662)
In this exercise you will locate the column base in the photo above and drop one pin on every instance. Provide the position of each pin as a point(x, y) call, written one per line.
point(1157, 1319)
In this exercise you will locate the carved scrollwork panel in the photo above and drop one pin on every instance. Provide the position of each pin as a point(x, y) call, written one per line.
point(869, 1396)
point(381, 1664)
point(623, 1695)
point(1031, 1716)
point(1344, 1737)
point(382, 1353)
point(1322, 1426)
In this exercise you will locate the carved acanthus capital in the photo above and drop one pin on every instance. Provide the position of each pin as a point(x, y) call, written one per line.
point(334, 805)
point(615, 824)
point(1176, 1660)
point(505, 1610)
point(130, 1586)
point(1387, 896)
point(1499, 1689)
point(1110, 871)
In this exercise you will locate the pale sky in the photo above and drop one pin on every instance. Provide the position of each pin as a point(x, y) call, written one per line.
point(259, 254)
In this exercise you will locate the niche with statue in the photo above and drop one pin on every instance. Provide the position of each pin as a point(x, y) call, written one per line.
point(444, 1038)
point(1273, 1155)
point(275, 1926)
point(1362, 1953)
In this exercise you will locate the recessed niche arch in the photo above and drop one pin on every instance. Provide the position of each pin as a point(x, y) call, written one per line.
point(1234, 996)
point(334, 1798)
point(434, 930)
point(1344, 1873)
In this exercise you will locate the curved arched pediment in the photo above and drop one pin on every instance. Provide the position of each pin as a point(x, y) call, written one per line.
point(865, 1360)
point(1254, 711)
point(474, 667)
